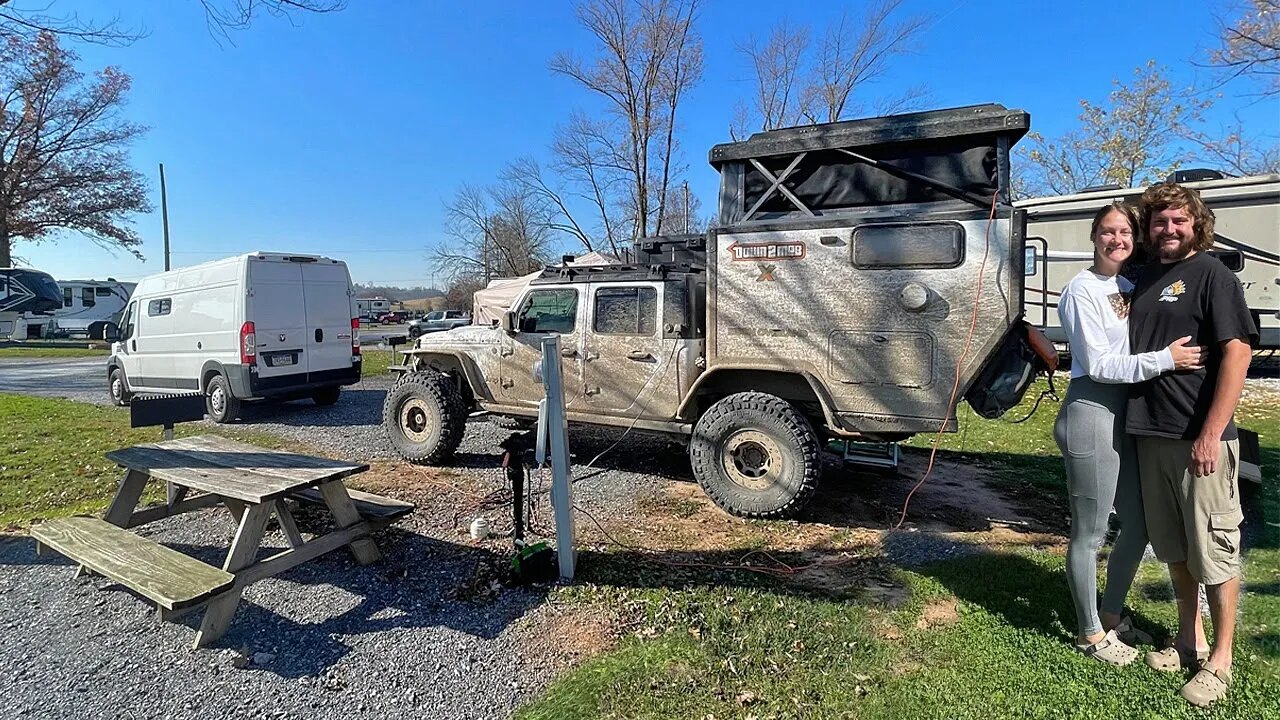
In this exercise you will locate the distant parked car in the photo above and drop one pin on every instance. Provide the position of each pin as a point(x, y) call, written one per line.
point(395, 317)
point(437, 321)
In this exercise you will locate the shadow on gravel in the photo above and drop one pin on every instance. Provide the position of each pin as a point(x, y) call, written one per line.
point(355, 407)
point(421, 582)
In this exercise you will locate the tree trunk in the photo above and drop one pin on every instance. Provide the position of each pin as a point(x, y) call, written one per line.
point(6, 244)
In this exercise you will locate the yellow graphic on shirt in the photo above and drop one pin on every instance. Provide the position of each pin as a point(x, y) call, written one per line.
point(1171, 293)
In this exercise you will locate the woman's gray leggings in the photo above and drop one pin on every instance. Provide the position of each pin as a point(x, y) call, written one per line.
point(1102, 470)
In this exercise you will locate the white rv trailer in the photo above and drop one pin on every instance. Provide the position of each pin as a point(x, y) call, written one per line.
point(1246, 224)
point(88, 306)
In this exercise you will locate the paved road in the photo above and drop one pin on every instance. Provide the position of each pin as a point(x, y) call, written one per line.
point(82, 379)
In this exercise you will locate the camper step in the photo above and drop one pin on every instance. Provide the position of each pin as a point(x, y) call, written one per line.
point(371, 507)
point(167, 577)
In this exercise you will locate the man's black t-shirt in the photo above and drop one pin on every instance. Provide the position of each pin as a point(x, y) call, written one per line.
point(1198, 296)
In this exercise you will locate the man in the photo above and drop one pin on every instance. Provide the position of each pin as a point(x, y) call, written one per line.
point(1188, 452)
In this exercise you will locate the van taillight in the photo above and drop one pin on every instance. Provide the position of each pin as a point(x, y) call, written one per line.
point(355, 337)
point(248, 344)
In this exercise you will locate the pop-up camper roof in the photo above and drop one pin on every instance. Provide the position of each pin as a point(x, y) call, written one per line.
point(939, 155)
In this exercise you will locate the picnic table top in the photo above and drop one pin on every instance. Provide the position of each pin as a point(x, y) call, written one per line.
point(232, 469)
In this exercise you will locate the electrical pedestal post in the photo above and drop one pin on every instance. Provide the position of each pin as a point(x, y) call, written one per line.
point(553, 435)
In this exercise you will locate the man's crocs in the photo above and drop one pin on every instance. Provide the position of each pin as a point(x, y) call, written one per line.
point(1175, 658)
point(1110, 650)
point(1208, 685)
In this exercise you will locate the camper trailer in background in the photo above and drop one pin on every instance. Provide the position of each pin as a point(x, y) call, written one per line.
point(88, 307)
point(372, 308)
point(1246, 212)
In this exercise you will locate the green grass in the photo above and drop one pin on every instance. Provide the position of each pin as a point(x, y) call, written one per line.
point(51, 455)
point(52, 352)
point(376, 362)
point(734, 645)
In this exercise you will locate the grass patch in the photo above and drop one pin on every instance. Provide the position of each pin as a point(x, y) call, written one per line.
point(52, 352)
point(734, 647)
point(376, 362)
point(51, 455)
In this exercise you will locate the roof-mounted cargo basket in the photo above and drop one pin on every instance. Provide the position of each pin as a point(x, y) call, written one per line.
point(925, 157)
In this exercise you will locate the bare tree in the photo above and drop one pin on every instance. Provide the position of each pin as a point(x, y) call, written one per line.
point(1138, 134)
point(1234, 150)
point(684, 210)
point(648, 57)
point(855, 53)
point(63, 160)
point(1249, 44)
point(498, 231)
point(796, 81)
point(526, 173)
point(28, 20)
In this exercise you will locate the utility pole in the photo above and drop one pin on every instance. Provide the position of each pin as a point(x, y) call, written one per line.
point(164, 217)
point(686, 207)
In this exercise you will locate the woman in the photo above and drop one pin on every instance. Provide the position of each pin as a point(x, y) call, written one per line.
point(1101, 469)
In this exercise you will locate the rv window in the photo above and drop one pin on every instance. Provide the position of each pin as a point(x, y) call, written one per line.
point(66, 297)
point(1029, 262)
point(102, 292)
point(549, 311)
point(159, 307)
point(626, 311)
point(916, 245)
point(86, 297)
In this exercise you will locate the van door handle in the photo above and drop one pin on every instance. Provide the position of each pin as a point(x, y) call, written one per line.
point(319, 335)
point(133, 345)
point(639, 355)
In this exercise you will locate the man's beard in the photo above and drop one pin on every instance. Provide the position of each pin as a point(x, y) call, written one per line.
point(1182, 250)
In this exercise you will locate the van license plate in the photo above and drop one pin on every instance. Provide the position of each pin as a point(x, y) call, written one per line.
point(282, 359)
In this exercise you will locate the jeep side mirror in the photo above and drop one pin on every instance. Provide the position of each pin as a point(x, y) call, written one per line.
point(509, 322)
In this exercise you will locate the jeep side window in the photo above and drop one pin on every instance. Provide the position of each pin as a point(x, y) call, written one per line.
point(549, 311)
point(626, 311)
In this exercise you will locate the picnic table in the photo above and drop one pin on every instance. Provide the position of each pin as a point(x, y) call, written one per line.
point(203, 471)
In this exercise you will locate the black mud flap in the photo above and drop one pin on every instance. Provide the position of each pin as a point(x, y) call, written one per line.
point(1022, 354)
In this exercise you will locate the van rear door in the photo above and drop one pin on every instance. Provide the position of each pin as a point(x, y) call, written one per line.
point(277, 309)
point(327, 288)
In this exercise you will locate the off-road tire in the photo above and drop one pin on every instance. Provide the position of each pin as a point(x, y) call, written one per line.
point(749, 433)
point(424, 417)
point(326, 396)
point(219, 403)
point(118, 387)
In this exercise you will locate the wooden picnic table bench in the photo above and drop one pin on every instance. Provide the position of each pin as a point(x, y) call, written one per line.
point(253, 483)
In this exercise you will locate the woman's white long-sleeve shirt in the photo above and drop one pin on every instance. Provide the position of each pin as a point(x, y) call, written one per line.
point(1094, 311)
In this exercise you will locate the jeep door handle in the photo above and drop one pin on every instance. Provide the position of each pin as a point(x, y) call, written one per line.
point(639, 355)
point(568, 352)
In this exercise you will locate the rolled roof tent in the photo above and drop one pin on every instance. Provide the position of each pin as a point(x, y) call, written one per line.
point(938, 155)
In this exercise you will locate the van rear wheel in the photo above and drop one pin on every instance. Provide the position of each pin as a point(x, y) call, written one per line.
point(756, 456)
point(220, 404)
point(424, 417)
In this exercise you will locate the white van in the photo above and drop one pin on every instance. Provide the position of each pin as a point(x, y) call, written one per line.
point(261, 325)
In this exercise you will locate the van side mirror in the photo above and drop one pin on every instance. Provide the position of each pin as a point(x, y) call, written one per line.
point(111, 333)
point(509, 322)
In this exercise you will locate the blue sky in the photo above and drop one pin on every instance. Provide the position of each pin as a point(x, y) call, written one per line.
point(345, 134)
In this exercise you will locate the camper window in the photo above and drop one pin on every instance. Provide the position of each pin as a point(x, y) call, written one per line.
point(102, 292)
point(626, 311)
point(917, 245)
point(86, 297)
point(67, 297)
point(159, 307)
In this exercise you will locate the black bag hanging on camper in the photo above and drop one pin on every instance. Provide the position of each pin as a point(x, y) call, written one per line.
point(1001, 385)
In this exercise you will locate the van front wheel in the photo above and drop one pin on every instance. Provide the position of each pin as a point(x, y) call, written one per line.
point(220, 404)
point(756, 456)
point(120, 394)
